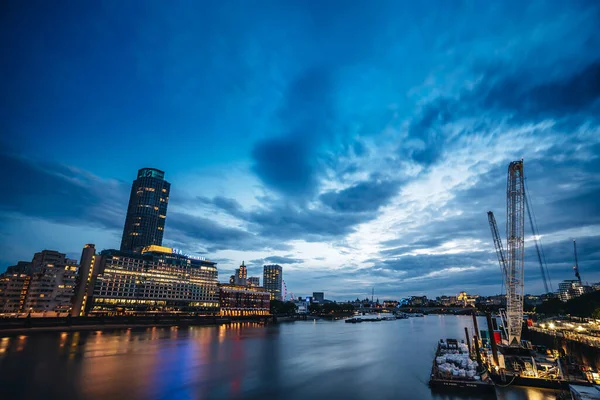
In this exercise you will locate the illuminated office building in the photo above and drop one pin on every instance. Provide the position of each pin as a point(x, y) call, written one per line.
point(253, 281)
point(273, 280)
point(158, 280)
point(236, 300)
point(147, 211)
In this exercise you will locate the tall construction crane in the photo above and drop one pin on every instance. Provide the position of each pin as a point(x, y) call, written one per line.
point(515, 254)
point(576, 266)
point(512, 262)
point(498, 246)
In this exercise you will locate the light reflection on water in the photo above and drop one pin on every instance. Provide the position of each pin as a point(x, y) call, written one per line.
point(301, 360)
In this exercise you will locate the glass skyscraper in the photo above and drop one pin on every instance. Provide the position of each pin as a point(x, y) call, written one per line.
point(147, 211)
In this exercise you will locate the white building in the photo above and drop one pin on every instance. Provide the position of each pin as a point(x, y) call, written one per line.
point(570, 289)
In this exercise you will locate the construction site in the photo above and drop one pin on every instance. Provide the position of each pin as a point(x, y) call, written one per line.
point(559, 353)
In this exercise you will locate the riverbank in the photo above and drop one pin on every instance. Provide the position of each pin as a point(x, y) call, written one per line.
point(20, 326)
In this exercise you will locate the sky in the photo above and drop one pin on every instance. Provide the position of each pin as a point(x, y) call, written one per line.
point(357, 144)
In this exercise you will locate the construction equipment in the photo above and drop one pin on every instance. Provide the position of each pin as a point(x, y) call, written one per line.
point(512, 264)
point(576, 267)
point(498, 246)
point(515, 254)
point(538, 247)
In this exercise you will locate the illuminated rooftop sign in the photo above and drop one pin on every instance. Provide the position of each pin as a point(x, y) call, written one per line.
point(161, 249)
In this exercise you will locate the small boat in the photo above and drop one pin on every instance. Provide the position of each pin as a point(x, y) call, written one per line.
point(353, 320)
point(454, 370)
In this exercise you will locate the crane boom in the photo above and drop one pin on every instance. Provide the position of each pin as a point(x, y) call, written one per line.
point(576, 267)
point(537, 244)
point(498, 244)
point(515, 258)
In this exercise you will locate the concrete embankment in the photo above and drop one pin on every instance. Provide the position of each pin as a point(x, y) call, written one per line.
point(19, 326)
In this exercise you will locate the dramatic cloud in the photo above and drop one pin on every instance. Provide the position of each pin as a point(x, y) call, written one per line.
point(360, 147)
point(364, 196)
point(61, 193)
point(277, 260)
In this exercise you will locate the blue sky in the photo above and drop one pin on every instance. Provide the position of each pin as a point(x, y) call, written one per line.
point(358, 145)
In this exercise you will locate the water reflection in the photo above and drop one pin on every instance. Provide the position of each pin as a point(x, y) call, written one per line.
point(302, 360)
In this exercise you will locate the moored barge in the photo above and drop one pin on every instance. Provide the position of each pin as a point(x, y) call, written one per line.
point(454, 370)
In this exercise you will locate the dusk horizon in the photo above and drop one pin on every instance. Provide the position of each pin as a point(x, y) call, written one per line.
point(358, 147)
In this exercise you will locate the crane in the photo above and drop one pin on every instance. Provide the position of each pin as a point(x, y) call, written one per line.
point(576, 267)
point(538, 246)
point(515, 254)
point(498, 245)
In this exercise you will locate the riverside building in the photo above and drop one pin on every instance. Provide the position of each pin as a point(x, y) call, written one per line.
point(52, 288)
point(13, 292)
point(157, 280)
point(237, 300)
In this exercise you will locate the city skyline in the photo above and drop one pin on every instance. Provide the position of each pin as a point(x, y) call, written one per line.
point(354, 158)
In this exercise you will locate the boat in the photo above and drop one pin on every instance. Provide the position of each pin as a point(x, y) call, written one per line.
point(401, 316)
point(352, 320)
point(417, 315)
point(454, 370)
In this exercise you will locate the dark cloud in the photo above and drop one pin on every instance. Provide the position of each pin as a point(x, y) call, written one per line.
point(214, 236)
point(290, 221)
point(61, 194)
point(364, 196)
point(277, 260)
point(231, 206)
point(556, 98)
point(288, 162)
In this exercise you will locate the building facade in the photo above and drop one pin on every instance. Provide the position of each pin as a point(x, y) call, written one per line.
point(236, 300)
point(273, 280)
point(13, 292)
point(253, 281)
point(570, 289)
point(22, 267)
point(52, 288)
point(147, 211)
point(46, 257)
point(318, 297)
point(158, 280)
point(86, 276)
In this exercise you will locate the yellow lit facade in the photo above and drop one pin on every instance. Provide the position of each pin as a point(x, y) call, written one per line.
point(156, 281)
point(237, 300)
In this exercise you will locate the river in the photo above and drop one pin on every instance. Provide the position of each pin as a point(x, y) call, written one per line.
point(304, 360)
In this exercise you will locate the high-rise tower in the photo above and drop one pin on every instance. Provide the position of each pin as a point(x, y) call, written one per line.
point(147, 210)
point(273, 280)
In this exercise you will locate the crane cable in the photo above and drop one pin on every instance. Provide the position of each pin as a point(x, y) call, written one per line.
point(536, 233)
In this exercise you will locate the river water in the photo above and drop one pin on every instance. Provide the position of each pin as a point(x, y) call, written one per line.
point(305, 360)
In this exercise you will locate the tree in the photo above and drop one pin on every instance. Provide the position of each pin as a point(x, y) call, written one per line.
point(279, 307)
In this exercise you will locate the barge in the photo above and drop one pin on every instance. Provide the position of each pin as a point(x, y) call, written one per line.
point(453, 370)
